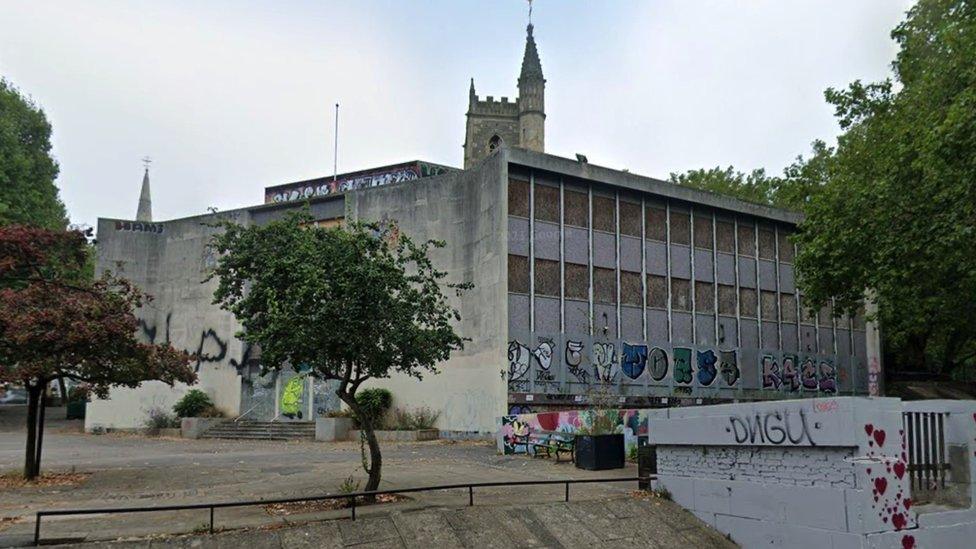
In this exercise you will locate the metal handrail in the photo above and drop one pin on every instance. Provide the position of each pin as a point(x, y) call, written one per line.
point(251, 409)
point(350, 496)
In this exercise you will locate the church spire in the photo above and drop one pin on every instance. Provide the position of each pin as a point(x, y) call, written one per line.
point(144, 213)
point(531, 66)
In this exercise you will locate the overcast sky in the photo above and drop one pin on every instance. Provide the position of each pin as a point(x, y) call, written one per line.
point(231, 96)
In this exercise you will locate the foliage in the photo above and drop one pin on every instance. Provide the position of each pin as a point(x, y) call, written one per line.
point(349, 485)
point(420, 418)
point(193, 403)
point(898, 215)
point(374, 404)
point(78, 393)
point(354, 303)
point(158, 418)
point(28, 195)
point(600, 421)
point(54, 323)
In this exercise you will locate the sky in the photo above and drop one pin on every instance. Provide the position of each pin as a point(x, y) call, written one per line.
point(230, 96)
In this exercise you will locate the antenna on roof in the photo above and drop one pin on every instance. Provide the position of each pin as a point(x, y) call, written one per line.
point(335, 152)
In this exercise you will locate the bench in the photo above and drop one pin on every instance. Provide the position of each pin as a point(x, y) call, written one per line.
point(545, 443)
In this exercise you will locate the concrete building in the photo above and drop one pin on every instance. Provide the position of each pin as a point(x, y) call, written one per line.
point(587, 281)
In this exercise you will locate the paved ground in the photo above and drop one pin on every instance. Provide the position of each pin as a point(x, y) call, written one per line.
point(128, 470)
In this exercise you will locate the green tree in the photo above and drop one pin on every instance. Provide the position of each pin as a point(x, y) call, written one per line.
point(898, 214)
point(352, 304)
point(28, 195)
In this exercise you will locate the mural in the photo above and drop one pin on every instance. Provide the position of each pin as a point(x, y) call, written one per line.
point(729, 367)
point(706, 367)
point(631, 422)
point(359, 180)
point(812, 377)
point(604, 362)
point(658, 360)
point(682, 365)
point(293, 397)
point(634, 360)
point(574, 361)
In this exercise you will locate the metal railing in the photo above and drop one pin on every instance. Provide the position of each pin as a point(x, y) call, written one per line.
point(351, 497)
point(926, 448)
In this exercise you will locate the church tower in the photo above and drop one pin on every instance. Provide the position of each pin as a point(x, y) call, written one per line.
point(144, 212)
point(521, 123)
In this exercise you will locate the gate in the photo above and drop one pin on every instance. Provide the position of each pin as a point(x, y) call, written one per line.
point(925, 437)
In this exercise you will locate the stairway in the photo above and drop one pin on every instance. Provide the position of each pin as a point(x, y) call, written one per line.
point(262, 430)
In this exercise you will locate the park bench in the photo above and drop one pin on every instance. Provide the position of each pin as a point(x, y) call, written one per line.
point(545, 443)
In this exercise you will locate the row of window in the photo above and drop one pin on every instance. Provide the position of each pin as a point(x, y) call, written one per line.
point(576, 213)
point(708, 298)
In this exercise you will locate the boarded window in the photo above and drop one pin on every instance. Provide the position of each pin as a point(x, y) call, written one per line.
point(577, 282)
point(657, 291)
point(747, 240)
point(630, 289)
point(703, 231)
point(807, 315)
point(604, 285)
point(546, 202)
point(785, 248)
point(747, 302)
point(787, 307)
point(518, 198)
point(656, 223)
point(768, 304)
point(630, 219)
point(518, 274)
point(726, 299)
point(724, 236)
point(704, 297)
point(604, 211)
point(576, 211)
point(680, 228)
point(767, 244)
point(547, 278)
point(680, 294)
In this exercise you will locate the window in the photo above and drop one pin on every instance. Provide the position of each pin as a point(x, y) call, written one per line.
point(703, 231)
point(767, 244)
point(494, 143)
point(546, 203)
point(726, 299)
point(518, 274)
point(604, 210)
point(630, 288)
point(747, 240)
point(547, 277)
point(604, 285)
point(630, 219)
point(724, 237)
point(768, 304)
point(577, 281)
point(680, 228)
point(785, 248)
point(657, 291)
point(518, 198)
point(704, 297)
point(787, 307)
point(656, 223)
point(680, 294)
point(747, 302)
point(576, 210)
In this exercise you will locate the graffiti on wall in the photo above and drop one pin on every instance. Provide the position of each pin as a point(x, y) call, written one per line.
point(729, 367)
point(139, 227)
point(544, 377)
point(658, 361)
point(377, 178)
point(682, 365)
point(630, 422)
point(774, 427)
point(812, 375)
point(634, 360)
point(604, 362)
point(707, 370)
point(574, 361)
point(888, 477)
point(209, 349)
point(518, 365)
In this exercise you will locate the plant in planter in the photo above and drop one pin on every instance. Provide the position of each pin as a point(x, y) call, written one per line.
point(600, 440)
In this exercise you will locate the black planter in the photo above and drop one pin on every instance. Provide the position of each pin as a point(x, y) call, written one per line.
point(599, 452)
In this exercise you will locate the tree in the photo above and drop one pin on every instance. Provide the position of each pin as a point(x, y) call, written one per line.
point(28, 195)
point(352, 304)
point(56, 323)
point(898, 214)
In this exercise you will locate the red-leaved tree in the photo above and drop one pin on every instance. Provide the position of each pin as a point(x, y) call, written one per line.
point(55, 322)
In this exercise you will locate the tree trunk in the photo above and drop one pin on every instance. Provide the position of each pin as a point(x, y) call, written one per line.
point(40, 432)
point(63, 401)
point(375, 460)
point(33, 399)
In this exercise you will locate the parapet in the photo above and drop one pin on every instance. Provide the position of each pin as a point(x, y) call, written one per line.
point(489, 105)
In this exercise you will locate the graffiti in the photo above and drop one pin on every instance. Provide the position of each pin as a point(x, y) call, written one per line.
point(791, 378)
point(604, 362)
point(292, 397)
point(887, 477)
point(729, 367)
point(682, 365)
point(544, 378)
point(574, 361)
point(706, 367)
point(518, 360)
point(808, 374)
point(139, 227)
point(543, 354)
point(393, 174)
point(516, 409)
point(658, 360)
point(874, 377)
point(770, 373)
point(771, 428)
point(634, 360)
point(828, 378)
point(631, 423)
point(210, 347)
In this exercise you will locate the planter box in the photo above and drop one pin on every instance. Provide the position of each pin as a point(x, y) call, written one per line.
point(401, 436)
point(331, 429)
point(76, 409)
point(193, 427)
point(599, 452)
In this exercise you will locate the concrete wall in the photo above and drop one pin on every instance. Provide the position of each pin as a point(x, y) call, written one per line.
point(465, 210)
point(821, 472)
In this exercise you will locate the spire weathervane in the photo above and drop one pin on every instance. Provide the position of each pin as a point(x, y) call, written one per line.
point(530, 12)
point(146, 161)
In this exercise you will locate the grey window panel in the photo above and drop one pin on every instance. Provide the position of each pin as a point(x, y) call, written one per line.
point(518, 198)
point(630, 324)
point(767, 275)
point(518, 313)
point(747, 238)
point(576, 208)
point(680, 261)
point(609, 321)
point(750, 335)
point(680, 227)
point(604, 250)
point(786, 282)
point(657, 326)
point(724, 236)
point(518, 236)
point(826, 341)
point(843, 342)
point(703, 230)
point(770, 335)
point(630, 218)
point(657, 258)
point(656, 223)
point(546, 240)
point(577, 318)
point(604, 213)
point(704, 330)
point(726, 332)
point(704, 297)
point(787, 308)
point(808, 339)
point(547, 315)
point(577, 248)
point(747, 272)
point(789, 337)
point(518, 274)
point(767, 243)
point(860, 346)
point(547, 278)
point(630, 254)
point(682, 327)
point(546, 202)
point(725, 269)
point(703, 265)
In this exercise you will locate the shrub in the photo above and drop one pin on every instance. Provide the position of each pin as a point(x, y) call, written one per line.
point(374, 404)
point(210, 411)
point(193, 404)
point(159, 418)
point(421, 418)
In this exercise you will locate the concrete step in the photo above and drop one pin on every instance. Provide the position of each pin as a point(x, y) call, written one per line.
point(262, 430)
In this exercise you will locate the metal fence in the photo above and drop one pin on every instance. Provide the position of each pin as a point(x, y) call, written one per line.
point(350, 497)
point(925, 435)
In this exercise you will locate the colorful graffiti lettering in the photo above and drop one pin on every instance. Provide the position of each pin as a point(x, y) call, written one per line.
point(631, 423)
point(729, 367)
point(770, 372)
point(682, 365)
point(808, 375)
point(828, 378)
point(707, 372)
point(658, 360)
point(604, 362)
point(791, 378)
point(634, 360)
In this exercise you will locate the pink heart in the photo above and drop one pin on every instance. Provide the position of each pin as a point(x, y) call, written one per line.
point(908, 542)
point(869, 427)
point(879, 437)
point(899, 469)
point(898, 521)
point(881, 484)
point(908, 503)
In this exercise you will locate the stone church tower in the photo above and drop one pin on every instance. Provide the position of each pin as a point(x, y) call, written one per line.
point(492, 124)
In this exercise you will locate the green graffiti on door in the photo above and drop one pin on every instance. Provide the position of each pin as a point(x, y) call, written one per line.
point(291, 397)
